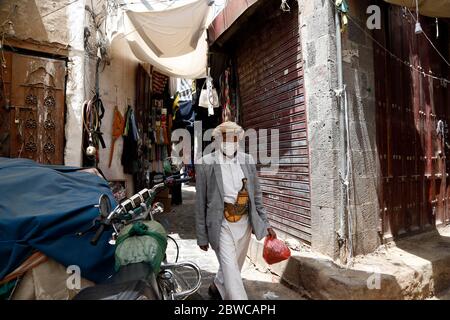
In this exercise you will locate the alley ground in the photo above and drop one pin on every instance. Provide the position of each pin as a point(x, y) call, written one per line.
point(180, 223)
point(263, 285)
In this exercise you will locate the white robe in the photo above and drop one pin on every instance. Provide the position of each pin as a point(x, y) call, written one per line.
point(233, 246)
point(234, 239)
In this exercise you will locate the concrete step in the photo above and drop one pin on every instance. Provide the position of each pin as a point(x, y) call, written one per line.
point(413, 268)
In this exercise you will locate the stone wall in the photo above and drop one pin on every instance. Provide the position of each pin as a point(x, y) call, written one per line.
point(359, 77)
point(117, 85)
point(319, 55)
point(326, 142)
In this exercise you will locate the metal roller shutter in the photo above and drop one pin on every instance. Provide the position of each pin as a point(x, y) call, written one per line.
point(269, 67)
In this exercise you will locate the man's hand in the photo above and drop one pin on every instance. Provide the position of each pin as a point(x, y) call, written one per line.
point(272, 233)
point(204, 248)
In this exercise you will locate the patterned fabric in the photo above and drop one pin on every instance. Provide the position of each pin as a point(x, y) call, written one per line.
point(184, 88)
point(159, 82)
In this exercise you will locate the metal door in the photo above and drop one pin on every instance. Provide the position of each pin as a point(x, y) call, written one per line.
point(270, 72)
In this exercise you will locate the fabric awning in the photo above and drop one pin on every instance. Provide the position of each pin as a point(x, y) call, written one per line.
point(172, 32)
point(170, 36)
point(430, 8)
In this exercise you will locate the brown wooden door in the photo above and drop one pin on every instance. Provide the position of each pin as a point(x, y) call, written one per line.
point(36, 110)
point(412, 114)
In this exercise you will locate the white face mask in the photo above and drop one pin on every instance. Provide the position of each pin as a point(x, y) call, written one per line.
point(229, 148)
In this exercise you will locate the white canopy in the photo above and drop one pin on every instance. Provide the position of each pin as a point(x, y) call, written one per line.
point(170, 35)
point(431, 8)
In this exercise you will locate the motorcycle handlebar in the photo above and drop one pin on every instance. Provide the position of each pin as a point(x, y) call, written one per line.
point(136, 200)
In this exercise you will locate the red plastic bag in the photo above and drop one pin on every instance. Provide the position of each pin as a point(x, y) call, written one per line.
point(275, 250)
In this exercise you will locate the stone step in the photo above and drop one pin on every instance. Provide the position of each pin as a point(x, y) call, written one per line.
point(414, 268)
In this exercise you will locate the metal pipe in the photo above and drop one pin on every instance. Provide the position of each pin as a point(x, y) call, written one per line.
point(342, 132)
point(339, 49)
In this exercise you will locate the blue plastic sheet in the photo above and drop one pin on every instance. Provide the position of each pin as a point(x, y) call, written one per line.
point(42, 208)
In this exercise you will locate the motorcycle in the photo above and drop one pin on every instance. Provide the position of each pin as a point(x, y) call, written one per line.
point(145, 273)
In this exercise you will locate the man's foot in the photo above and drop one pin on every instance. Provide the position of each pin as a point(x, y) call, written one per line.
point(214, 292)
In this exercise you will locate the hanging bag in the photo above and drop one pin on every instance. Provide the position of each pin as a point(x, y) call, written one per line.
point(209, 97)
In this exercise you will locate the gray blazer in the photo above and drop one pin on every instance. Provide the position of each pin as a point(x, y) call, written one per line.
point(209, 199)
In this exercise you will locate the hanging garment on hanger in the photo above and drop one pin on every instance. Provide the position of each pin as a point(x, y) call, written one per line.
point(161, 135)
point(154, 137)
point(173, 86)
point(164, 126)
point(159, 82)
point(135, 131)
point(184, 88)
point(176, 106)
point(117, 130)
point(186, 113)
point(154, 152)
point(130, 144)
point(158, 133)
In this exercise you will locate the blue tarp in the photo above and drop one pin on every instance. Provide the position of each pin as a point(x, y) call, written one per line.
point(42, 208)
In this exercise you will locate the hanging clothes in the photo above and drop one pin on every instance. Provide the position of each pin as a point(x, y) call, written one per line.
point(130, 144)
point(173, 86)
point(186, 112)
point(184, 89)
point(159, 82)
point(117, 130)
point(164, 126)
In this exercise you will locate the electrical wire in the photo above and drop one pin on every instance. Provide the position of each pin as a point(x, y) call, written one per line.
point(429, 40)
point(56, 10)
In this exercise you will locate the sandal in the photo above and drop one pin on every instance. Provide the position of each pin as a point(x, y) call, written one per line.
point(214, 292)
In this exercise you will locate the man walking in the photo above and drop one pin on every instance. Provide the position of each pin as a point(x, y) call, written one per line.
point(229, 208)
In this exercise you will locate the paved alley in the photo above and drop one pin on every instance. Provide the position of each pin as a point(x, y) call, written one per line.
point(180, 223)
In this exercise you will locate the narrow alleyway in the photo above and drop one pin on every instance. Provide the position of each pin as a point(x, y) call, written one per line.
point(180, 223)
